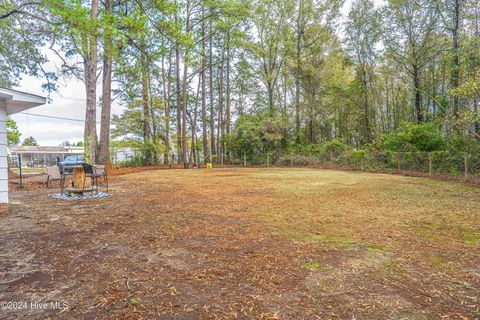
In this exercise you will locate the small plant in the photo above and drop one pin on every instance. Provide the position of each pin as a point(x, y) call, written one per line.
point(469, 235)
point(135, 301)
point(339, 239)
point(375, 248)
point(392, 267)
point(436, 261)
point(314, 266)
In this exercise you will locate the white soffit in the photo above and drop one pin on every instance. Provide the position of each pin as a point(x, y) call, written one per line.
point(18, 101)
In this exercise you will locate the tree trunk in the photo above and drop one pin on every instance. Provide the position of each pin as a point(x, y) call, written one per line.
point(228, 89)
point(184, 111)
point(194, 156)
point(185, 85)
point(270, 89)
point(179, 102)
point(206, 150)
point(212, 107)
point(153, 120)
point(387, 108)
point(456, 60)
point(311, 129)
point(418, 100)
point(104, 148)
point(221, 125)
point(147, 138)
point(90, 63)
point(476, 100)
point(297, 71)
point(228, 110)
point(166, 101)
point(366, 112)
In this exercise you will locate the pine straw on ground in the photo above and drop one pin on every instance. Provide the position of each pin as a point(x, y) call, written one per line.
point(247, 243)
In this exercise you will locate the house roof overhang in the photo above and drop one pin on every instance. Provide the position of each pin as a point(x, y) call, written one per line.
point(18, 101)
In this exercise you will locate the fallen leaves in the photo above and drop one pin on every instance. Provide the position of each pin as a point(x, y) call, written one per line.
point(249, 243)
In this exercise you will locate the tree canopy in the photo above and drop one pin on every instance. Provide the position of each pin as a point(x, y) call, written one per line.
point(203, 81)
point(30, 141)
point(13, 134)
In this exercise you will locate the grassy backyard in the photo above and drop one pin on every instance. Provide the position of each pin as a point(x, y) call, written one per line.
point(247, 243)
point(29, 170)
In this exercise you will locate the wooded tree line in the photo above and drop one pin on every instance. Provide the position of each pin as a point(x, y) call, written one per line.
point(212, 80)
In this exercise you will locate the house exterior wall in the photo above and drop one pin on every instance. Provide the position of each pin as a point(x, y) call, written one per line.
point(11, 101)
point(3, 153)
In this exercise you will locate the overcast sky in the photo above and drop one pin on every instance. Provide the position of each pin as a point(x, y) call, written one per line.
point(67, 102)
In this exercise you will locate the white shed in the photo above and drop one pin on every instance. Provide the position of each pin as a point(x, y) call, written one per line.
point(11, 101)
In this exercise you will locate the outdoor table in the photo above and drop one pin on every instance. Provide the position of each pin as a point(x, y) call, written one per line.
point(78, 178)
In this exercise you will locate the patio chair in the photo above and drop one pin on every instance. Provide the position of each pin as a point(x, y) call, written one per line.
point(101, 172)
point(53, 174)
point(90, 173)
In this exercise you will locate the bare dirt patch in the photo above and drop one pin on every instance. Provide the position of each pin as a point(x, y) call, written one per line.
point(247, 243)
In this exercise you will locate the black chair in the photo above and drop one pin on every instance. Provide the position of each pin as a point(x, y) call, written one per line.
point(90, 173)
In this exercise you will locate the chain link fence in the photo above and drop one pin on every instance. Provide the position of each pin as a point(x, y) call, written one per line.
point(21, 176)
point(440, 164)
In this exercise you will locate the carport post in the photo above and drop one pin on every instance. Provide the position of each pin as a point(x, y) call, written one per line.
point(3, 153)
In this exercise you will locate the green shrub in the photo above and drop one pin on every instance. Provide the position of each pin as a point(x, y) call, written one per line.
point(335, 146)
point(414, 137)
point(136, 161)
point(424, 137)
point(391, 142)
point(297, 160)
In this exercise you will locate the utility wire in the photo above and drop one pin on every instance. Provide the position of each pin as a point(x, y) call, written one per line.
point(53, 117)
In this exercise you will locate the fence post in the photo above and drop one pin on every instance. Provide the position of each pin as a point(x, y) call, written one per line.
point(20, 169)
point(398, 161)
point(244, 159)
point(224, 153)
point(465, 160)
point(268, 160)
point(430, 164)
